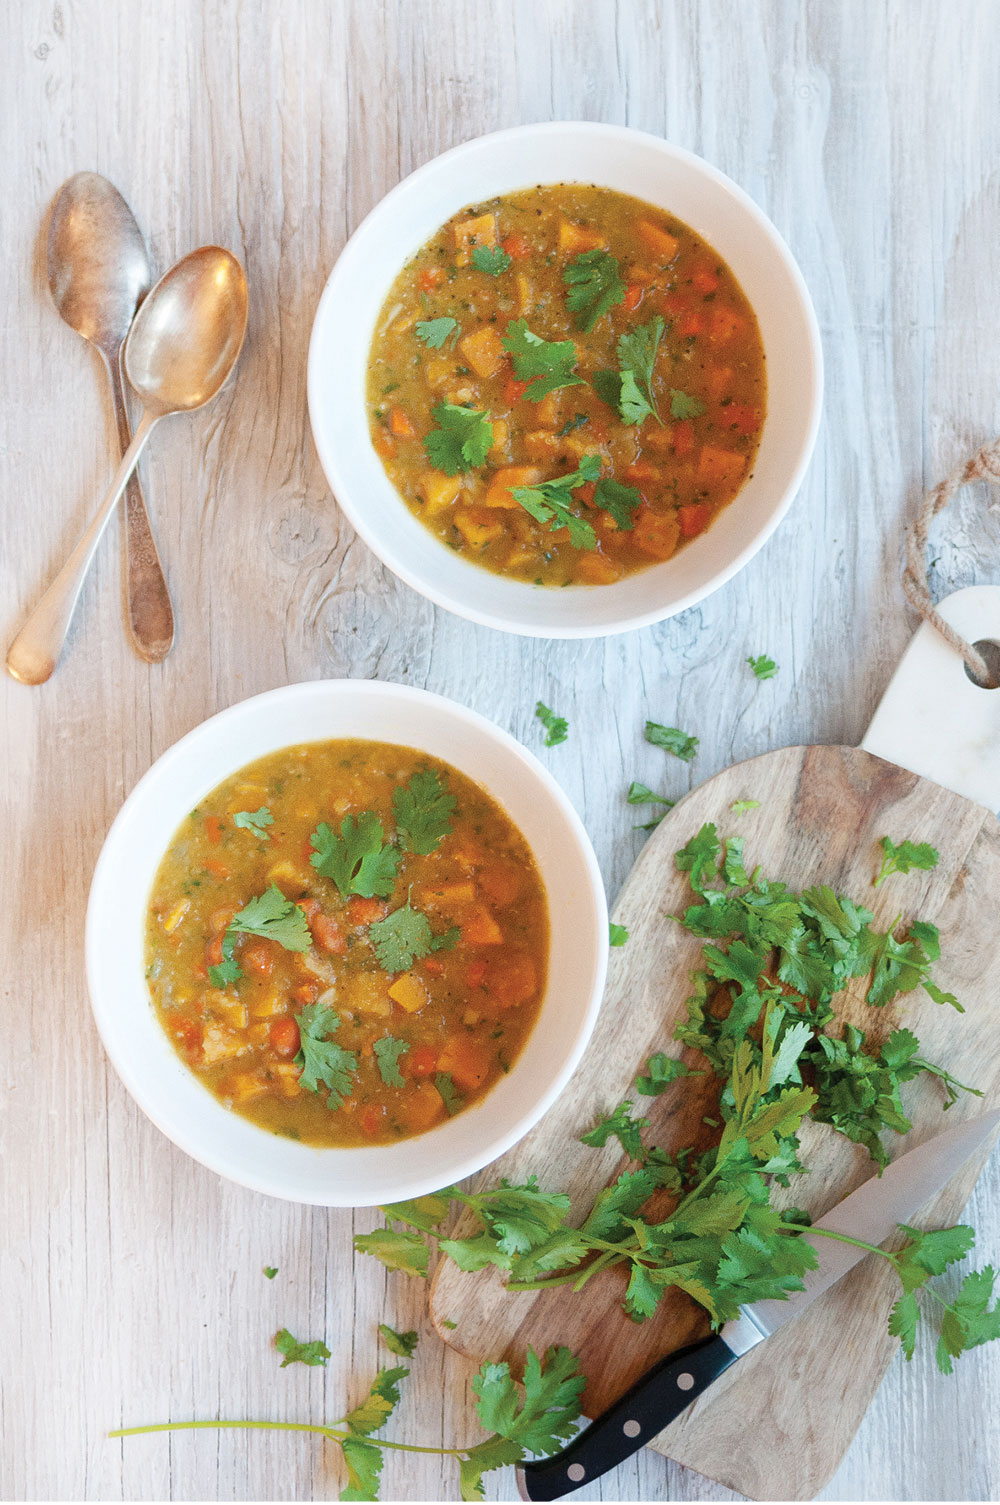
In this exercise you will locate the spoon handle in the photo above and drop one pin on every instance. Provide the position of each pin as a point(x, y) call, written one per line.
point(147, 599)
point(33, 654)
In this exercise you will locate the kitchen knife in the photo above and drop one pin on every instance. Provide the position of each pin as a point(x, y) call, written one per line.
point(870, 1214)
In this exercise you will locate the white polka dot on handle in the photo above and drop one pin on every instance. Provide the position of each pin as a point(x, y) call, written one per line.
point(685, 1382)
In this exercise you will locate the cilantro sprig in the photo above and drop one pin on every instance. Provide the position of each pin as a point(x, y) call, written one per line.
point(556, 727)
point(549, 502)
point(313, 1353)
point(672, 740)
point(595, 287)
point(434, 333)
point(359, 860)
point(462, 440)
point(762, 666)
point(907, 855)
point(629, 390)
point(324, 1063)
point(272, 917)
point(256, 821)
point(545, 365)
point(423, 808)
point(490, 259)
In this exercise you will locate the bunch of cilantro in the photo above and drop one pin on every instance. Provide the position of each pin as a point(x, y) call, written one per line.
point(761, 1016)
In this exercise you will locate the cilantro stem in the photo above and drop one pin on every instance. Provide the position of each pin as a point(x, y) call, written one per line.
point(285, 1426)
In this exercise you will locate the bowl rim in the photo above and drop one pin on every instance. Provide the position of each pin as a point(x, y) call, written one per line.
point(106, 1009)
point(469, 609)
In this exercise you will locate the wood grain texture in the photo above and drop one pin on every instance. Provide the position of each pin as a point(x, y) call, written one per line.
point(868, 131)
point(822, 813)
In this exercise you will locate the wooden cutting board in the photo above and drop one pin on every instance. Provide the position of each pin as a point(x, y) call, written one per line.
point(823, 811)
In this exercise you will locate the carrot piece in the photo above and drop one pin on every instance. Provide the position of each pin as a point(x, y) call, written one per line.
point(430, 277)
point(213, 829)
point(216, 868)
point(683, 438)
point(656, 533)
point(725, 324)
point(258, 958)
point(401, 424)
point(364, 911)
point(306, 992)
point(385, 444)
point(694, 518)
point(213, 951)
point(513, 390)
point(660, 241)
point(420, 1061)
point(501, 882)
point(512, 980)
point(434, 965)
point(516, 245)
point(720, 467)
point(633, 297)
point(474, 974)
point(641, 472)
point(690, 324)
point(479, 928)
point(466, 1061)
point(742, 417)
point(705, 281)
point(370, 1119)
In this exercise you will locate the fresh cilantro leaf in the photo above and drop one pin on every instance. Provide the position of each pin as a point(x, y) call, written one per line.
point(402, 1344)
point(556, 727)
point(425, 1213)
point(434, 332)
point(294, 1352)
point(397, 1249)
point(275, 918)
point(491, 259)
point(640, 794)
point(388, 1050)
point(254, 820)
point(453, 1099)
point(462, 439)
point(763, 667)
point(576, 422)
point(495, 1452)
point(618, 500)
point(270, 1271)
point(637, 356)
point(662, 1071)
point(402, 938)
point(447, 940)
point(545, 365)
point(364, 1462)
point(358, 860)
point(617, 935)
point(595, 286)
point(423, 808)
point(547, 1415)
point(379, 1404)
point(322, 1060)
point(700, 856)
point(904, 857)
point(447, 1322)
point(548, 502)
point(619, 1125)
point(677, 742)
point(608, 386)
point(740, 807)
point(683, 406)
point(229, 969)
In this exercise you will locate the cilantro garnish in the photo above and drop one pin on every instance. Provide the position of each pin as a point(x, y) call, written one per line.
point(617, 935)
point(595, 286)
point(619, 1125)
point(683, 406)
point(677, 742)
point(740, 807)
point(576, 422)
point(556, 727)
point(269, 915)
point(462, 439)
point(294, 1352)
point(662, 1070)
point(549, 502)
point(453, 1099)
point(270, 1271)
point(358, 860)
point(639, 794)
point(637, 357)
point(255, 820)
point(323, 1061)
point(434, 332)
point(447, 940)
point(763, 667)
point(423, 809)
point(387, 1053)
point(907, 855)
point(544, 364)
point(491, 259)
point(620, 501)
point(402, 1344)
point(402, 938)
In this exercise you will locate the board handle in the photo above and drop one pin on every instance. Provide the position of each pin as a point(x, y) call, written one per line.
point(933, 719)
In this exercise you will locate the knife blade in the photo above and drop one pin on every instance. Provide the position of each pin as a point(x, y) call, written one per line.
point(870, 1214)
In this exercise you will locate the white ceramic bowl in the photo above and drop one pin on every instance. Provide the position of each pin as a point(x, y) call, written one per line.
point(173, 1097)
point(633, 163)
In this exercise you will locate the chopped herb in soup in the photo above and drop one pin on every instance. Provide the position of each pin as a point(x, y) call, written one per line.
point(347, 942)
point(566, 384)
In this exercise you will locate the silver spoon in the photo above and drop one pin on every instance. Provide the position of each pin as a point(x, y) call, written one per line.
point(98, 275)
point(183, 344)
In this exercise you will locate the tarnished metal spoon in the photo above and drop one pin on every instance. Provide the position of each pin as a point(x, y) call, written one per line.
point(98, 276)
point(183, 344)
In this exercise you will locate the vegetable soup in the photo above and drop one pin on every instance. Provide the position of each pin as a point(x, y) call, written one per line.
point(347, 942)
point(566, 384)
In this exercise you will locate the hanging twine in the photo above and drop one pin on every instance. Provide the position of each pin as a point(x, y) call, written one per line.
point(984, 466)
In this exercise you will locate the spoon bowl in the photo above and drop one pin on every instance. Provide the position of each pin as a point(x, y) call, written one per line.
point(186, 336)
point(97, 262)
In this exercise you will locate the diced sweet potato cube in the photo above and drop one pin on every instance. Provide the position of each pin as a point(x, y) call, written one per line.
point(501, 433)
point(409, 992)
point(549, 412)
point(483, 351)
point(656, 533)
point(477, 526)
point(438, 369)
point(511, 980)
point(479, 928)
point(481, 230)
point(447, 896)
point(499, 491)
point(369, 993)
point(720, 467)
point(662, 244)
point(422, 1107)
point(466, 1061)
point(541, 444)
point(575, 239)
point(659, 440)
point(596, 569)
point(438, 490)
point(724, 325)
point(719, 382)
point(501, 882)
point(244, 1085)
point(525, 294)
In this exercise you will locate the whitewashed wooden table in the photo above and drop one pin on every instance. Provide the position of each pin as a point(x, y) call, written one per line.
point(131, 1278)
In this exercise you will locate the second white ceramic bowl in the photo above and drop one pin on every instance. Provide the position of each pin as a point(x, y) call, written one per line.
point(173, 1097)
point(634, 163)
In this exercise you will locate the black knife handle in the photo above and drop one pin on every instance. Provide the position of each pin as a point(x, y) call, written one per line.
point(652, 1404)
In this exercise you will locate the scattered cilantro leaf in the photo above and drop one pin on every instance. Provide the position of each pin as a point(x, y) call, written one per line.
point(462, 439)
point(907, 855)
point(546, 1416)
point(323, 1061)
point(763, 667)
point(270, 1271)
point(379, 1404)
point(683, 406)
point(358, 860)
point(576, 422)
point(662, 1071)
point(637, 356)
point(295, 1352)
point(545, 365)
point(618, 1125)
point(450, 1094)
point(672, 740)
point(556, 727)
point(617, 935)
point(640, 794)
point(491, 259)
point(423, 808)
point(363, 1461)
point(448, 939)
point(740, 807)
point(434, 332)
point(275, 918)
point(402, 938)
point(255, 820)
point(388, 1050)
point(402, 1344)
point(595, 286)
point(617, 500)
point(397, 1248)
point(228, 970)
point(549, 502)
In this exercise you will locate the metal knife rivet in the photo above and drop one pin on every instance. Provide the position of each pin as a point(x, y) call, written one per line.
point(576, 1472)
point(632, 1428)
point(685, 1382)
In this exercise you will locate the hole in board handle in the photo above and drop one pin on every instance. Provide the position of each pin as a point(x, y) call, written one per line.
point(991, 654)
